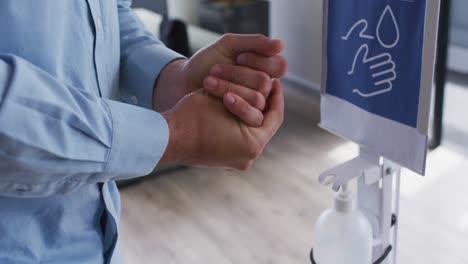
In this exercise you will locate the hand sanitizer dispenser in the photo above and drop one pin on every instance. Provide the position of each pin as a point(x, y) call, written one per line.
point(342, 234)
point(378, 70)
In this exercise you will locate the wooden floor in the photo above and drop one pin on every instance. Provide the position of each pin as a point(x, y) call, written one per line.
point(266, 215)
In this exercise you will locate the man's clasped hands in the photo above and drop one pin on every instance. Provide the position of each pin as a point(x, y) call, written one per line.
point(224, 104)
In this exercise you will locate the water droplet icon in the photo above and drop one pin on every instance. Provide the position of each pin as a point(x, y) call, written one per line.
point(388, 14)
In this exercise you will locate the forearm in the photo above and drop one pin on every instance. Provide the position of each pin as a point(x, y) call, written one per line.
point(142, 59)
point(170, 86)
point(57, 138)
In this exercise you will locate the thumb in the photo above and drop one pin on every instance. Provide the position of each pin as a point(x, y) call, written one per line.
point(274, 114)
point(234, 44)
point(361, 57)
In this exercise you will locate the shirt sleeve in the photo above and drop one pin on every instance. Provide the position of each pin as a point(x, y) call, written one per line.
point(142, 58)
point(55, 138)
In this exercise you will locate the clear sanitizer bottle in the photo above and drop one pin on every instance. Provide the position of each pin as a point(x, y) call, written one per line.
point(343, 235)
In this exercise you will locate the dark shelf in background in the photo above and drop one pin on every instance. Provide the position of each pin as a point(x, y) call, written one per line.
point(158, 6)
point(241, 17)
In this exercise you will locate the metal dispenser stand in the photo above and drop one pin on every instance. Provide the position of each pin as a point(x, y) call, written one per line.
point(378, 194)
point(378, 179)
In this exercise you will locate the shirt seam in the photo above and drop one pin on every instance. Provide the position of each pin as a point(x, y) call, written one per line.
point(112, 139)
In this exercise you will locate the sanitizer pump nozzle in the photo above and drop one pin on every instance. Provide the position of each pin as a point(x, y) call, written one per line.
point(343, 235)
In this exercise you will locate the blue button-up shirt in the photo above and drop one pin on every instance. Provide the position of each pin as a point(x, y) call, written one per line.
point(65, 134)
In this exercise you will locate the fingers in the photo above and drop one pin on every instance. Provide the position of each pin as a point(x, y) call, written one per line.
point(251, 78)
point(233, 44)
point(274, 115)
point(219, 87)
point(249, 115)
point(275, 66)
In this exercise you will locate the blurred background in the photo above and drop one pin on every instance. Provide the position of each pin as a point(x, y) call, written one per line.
point(266, 215)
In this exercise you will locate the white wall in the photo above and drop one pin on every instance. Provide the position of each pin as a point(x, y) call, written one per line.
point(186, 10)
point(299, 24)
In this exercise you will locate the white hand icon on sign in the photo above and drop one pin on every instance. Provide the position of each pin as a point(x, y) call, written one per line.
point(382, 65)
point(383, 68)
point(362, 34)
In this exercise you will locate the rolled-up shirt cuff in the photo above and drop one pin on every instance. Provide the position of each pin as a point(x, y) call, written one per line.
point(140, 70)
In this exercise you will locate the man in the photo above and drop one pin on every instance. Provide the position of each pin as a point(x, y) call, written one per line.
point(65, 137)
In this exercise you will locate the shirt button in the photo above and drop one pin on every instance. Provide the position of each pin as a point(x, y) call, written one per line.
point(98, 23)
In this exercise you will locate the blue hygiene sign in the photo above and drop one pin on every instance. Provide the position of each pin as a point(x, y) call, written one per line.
point(374, 55)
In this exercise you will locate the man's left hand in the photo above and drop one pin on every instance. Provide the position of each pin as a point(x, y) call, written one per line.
point(240, 64)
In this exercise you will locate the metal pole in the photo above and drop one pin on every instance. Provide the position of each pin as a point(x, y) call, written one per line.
point(440, 73)
point(396, 212)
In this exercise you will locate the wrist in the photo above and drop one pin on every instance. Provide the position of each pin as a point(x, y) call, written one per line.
point(182, 142)
point(172, 149)
point(170, 86)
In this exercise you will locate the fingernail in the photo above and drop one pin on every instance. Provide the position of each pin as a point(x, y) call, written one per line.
point(216, 70)
point(230, 99)
point(211, 82)
point(277, 40)
point(242, 59)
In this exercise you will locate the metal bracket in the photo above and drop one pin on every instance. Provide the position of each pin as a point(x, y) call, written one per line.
point(366, 165)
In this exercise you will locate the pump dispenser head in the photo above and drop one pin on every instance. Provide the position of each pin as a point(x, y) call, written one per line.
point(344, 200)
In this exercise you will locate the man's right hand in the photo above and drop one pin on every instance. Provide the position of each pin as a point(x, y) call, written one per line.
point(204, 133)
